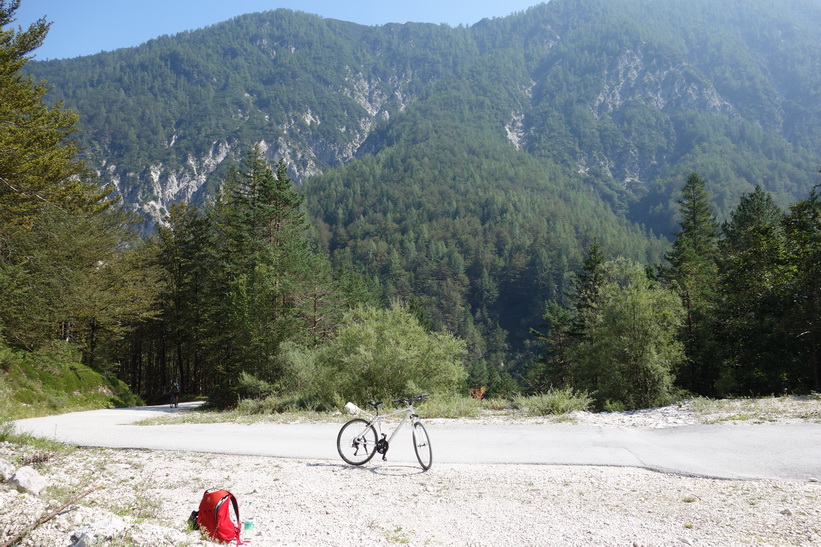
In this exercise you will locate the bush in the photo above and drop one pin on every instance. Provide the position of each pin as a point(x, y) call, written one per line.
point(555, 401)
point(251, 387)
point(386, 354)
point(450, 406)
point(630, 347)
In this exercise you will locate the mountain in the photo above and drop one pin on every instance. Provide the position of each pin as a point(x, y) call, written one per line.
point(630, 93)
point(469, 167)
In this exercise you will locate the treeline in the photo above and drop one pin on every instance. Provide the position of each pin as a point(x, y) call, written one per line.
point(423, 267)
point(733, 311)
point(476, 235)
point(235, 282)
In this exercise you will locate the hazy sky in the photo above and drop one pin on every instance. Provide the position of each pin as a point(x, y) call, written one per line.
point(85, 27)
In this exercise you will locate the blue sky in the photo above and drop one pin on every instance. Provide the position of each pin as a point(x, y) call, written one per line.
point(85, 27)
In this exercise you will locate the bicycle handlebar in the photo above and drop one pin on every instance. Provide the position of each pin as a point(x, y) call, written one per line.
point(411, 400)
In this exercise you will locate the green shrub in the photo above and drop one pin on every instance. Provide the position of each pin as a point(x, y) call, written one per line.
point(448, 405)
point(555, 401)
point(251, 387)
point(386, 354)
point(276, 404)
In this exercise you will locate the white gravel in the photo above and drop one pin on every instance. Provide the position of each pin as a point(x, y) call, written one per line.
point(146, 498)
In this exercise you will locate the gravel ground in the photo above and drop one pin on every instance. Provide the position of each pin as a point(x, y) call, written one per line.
point(145, 498)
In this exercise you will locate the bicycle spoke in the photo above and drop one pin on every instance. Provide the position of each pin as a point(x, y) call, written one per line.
point(356, 442)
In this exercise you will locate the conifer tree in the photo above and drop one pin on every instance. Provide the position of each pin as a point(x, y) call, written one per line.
point(59, 237)
point(803, 319)
point(565, 326)
point(693, 272)
point(753, 273)
point(267, 284)
point(38, 165)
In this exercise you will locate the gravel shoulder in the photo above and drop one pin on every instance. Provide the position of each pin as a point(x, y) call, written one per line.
point(146, 497)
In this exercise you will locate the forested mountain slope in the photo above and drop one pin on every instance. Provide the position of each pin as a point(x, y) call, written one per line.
point(469, 168)
point(631, 93)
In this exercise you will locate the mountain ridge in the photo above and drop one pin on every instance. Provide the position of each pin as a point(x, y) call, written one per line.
point(467, 169)
point(565, 66)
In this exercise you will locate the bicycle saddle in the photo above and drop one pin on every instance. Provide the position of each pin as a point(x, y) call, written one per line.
point(375, 404)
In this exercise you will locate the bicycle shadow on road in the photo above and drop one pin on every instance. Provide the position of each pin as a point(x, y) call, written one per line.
point(384, 470)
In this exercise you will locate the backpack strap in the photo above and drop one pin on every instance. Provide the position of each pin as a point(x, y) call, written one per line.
point(238, 527)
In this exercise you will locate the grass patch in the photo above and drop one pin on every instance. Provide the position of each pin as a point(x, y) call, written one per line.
point(759, 410)
point(554, 402)
point(52, 380)
point(449, 406)
point(36, 445)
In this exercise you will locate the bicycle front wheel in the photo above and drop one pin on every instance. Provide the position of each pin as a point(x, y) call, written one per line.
point(356, 442)
point(421, 444)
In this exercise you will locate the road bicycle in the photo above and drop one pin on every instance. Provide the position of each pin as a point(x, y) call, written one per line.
point(360, 439)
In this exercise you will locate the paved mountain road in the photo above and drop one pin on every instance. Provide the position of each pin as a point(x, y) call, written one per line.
point(731, 451)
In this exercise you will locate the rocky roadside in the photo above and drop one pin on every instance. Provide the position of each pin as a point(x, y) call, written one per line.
point(145, 498)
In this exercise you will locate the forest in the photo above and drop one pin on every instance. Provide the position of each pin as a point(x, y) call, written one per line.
point(480, 270)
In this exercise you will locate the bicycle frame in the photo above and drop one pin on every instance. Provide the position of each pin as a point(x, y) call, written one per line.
point(376, 422)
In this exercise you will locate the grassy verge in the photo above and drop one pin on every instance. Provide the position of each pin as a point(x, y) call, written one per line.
point(32, 450)
point(272, 409)
point(52, 380)
point(758, 410)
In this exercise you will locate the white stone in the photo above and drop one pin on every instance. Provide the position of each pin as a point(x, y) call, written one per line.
point(351, 408)
point(6, 470)
point(27, 479)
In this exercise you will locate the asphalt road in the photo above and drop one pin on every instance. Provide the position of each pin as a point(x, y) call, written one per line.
point(731, 451)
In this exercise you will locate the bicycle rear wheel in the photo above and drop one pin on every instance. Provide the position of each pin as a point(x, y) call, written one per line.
point(356, 442)
point(421, 444)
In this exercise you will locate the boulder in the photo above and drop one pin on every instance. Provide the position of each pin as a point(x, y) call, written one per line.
point(351, 408)
point(27, 479)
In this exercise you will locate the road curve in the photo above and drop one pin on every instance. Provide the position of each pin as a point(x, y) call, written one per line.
point(729, 451)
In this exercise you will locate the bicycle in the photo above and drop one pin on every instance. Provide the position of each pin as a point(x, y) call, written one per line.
point(358, 440)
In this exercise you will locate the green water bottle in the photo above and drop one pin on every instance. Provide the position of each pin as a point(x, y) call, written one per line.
point(248, 519)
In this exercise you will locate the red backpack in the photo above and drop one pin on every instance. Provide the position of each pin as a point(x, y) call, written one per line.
point(214, 515)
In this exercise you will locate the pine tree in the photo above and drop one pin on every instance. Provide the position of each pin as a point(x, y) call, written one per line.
point(803, 318)
point(267, 284)
point(183, 255)
point(38, 165)
point(753, 273)
point(566, 326)
point(59, 237)
point(693, 272)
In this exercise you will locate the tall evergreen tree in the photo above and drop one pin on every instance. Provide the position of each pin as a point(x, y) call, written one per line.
point(267, 284)
point(693, 272)
point(183, 254)
point(565, 326)
point(59, 237)
point(803, 319)
point(38, 165)
point(753, 272)
point(587, 286)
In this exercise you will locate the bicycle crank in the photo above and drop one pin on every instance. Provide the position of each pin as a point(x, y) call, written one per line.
point(382, 448)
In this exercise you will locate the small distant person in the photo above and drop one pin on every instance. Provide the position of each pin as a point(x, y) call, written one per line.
point(175, 393)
